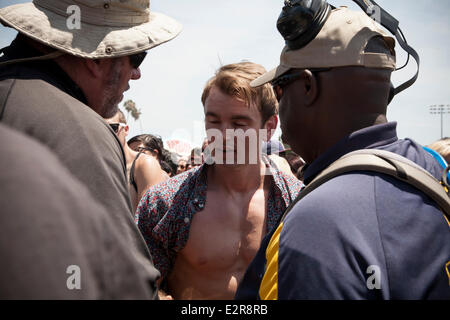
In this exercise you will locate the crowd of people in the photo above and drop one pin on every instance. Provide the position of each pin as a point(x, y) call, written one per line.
point(95, 214)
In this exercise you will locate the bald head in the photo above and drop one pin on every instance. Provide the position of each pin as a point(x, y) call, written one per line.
point(354, 89)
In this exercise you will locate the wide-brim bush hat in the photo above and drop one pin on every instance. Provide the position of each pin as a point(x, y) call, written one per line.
point(92, 29)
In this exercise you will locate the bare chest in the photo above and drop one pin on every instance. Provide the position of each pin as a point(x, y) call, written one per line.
point(228, 232)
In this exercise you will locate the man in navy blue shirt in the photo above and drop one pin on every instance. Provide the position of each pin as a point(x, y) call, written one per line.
point(361, 235)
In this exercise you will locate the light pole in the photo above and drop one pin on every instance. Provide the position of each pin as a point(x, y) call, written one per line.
point(440, 109)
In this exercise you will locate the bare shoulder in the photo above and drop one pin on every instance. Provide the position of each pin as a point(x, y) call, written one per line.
point(147, 173)
point(146, 162)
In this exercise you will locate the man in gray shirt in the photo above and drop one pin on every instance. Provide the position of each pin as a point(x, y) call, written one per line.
point(56, 241)
point(61, 75)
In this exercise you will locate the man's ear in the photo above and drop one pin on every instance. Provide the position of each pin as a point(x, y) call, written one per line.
point(271, 126)
point(96, 67)
point(309, 86)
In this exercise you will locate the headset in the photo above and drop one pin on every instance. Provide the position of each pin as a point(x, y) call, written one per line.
point(300, 22)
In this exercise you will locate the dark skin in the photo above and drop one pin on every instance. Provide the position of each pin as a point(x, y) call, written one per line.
point(319, 109)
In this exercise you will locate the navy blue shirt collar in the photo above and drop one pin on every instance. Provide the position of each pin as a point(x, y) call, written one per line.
point(367, 138)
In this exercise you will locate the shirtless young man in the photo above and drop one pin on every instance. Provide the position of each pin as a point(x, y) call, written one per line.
point(146, 170)
point(204, 226)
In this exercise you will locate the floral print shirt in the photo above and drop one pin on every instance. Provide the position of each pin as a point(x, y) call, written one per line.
point(165, 212)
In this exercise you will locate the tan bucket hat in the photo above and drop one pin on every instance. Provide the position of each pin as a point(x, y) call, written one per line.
point(108, 28)
point(340, 43)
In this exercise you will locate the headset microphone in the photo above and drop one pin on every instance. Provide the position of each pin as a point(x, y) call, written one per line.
point(301, 21)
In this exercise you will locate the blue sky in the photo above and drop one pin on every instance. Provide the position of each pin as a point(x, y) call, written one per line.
point(222, 32)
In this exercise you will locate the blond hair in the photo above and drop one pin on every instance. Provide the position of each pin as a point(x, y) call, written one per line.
point(234, 80)
point(119, 117)
point(442, 147)
point(122, 118)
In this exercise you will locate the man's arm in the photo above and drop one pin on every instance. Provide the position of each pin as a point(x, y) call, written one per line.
point(150, 211)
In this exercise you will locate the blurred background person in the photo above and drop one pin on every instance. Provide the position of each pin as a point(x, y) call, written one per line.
point(196, 158)
point(182, 165)
point(143, 170)
point(136, 142)
point(296, 162)
point(274, 150)
point(442, 147)
point(153, 145)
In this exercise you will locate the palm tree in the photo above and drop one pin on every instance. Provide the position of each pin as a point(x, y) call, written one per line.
point(130, 106)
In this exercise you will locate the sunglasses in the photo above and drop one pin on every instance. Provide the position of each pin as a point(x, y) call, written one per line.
point(142, 149)
point(284, 80)
point(137, 59)
point(116, 126)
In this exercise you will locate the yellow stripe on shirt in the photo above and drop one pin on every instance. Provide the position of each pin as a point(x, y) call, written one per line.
point(447, 220)
point(269, 285)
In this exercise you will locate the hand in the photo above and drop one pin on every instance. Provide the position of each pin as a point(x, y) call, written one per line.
point(163, 296)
